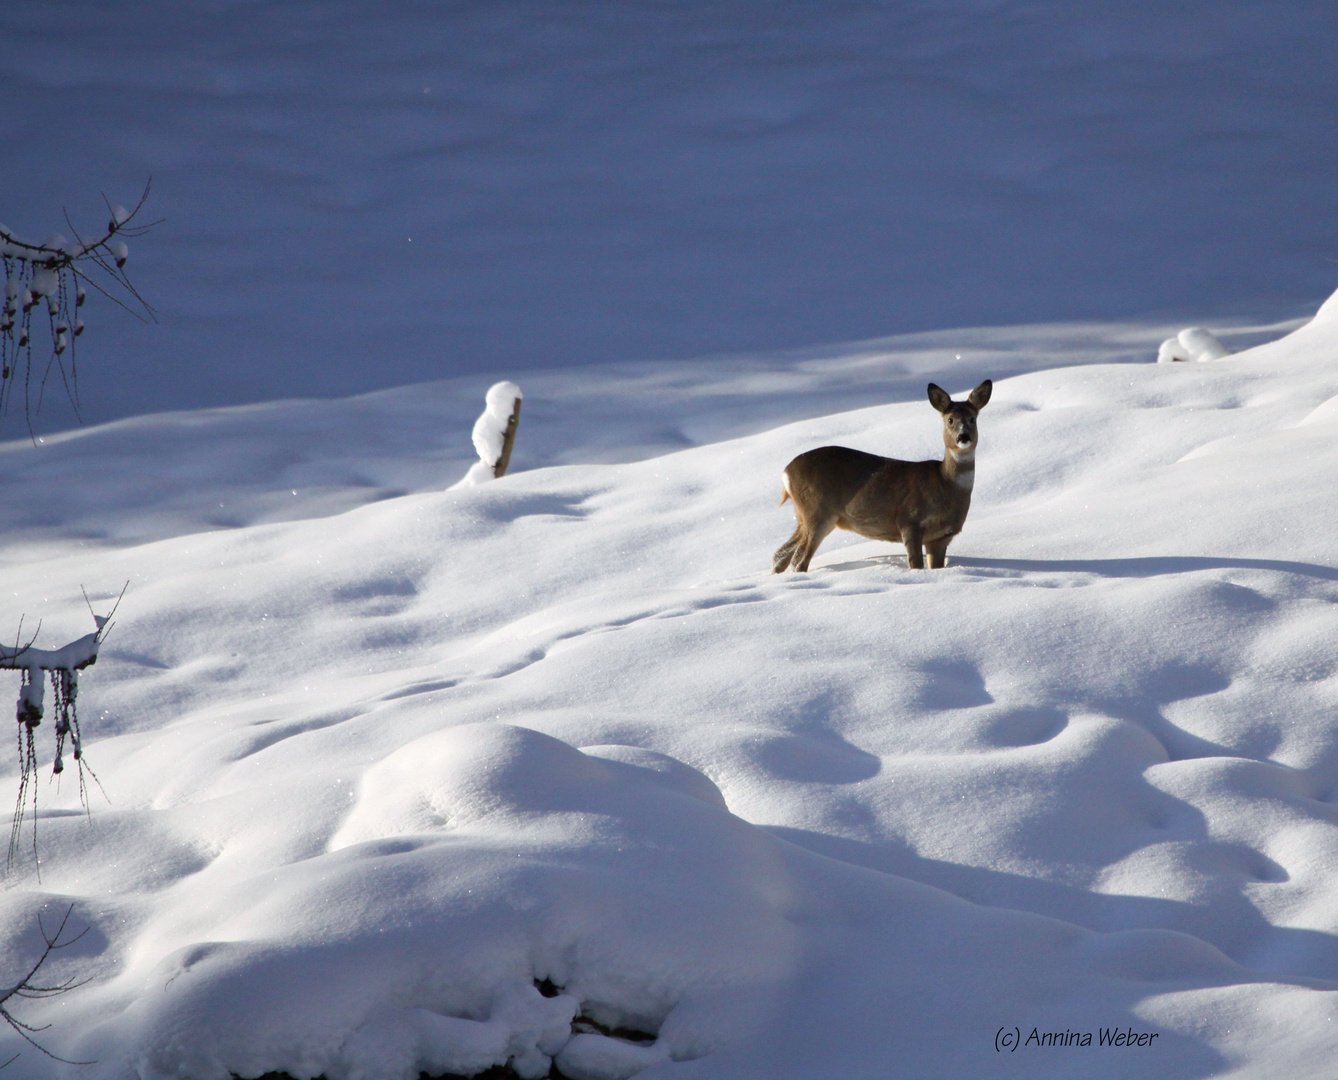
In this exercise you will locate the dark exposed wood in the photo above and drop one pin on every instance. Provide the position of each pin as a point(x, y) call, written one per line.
point(508, 440)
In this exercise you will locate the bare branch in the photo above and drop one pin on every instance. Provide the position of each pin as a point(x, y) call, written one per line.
point(104, 623)
point(53, 275)
point(20, 650)
point(27, 988)
point(114, 299)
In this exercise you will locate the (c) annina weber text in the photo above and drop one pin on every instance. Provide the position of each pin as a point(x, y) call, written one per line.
point(1011, 1038)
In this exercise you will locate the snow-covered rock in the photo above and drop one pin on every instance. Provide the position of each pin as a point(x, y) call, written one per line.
point(1193, 343)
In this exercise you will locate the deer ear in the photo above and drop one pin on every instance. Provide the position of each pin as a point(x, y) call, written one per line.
point(938, 397)
point(980, 396)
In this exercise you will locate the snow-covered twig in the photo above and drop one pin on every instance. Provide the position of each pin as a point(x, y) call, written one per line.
point(63, 665)
point(54, 275)
point(77, 655)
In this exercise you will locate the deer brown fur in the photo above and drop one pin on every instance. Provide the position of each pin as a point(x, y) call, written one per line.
point(921, 504)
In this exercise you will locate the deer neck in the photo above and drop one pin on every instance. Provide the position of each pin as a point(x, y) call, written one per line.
point(959, 467)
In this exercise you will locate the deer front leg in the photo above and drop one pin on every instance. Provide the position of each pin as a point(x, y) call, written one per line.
point(911, 536)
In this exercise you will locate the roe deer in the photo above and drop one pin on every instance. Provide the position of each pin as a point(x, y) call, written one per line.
point(914, 502)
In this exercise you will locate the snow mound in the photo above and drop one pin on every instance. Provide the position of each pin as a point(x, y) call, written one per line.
point(488, 859)
point(467, 775)
point(1194, 343)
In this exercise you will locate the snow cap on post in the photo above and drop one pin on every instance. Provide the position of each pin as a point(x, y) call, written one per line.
point(495, 433)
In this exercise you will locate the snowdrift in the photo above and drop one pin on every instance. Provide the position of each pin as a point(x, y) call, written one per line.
point(552, 769)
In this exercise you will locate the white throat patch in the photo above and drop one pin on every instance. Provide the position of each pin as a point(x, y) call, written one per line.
point(966, 467)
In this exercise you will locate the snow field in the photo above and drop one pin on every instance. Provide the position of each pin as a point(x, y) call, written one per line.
point(291, 459)
point(365, 197)
point(374, 773)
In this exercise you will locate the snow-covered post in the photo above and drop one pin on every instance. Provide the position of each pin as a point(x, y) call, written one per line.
point(52, 276)
point(1192, 344)
point(64, 665)
point(495, 434)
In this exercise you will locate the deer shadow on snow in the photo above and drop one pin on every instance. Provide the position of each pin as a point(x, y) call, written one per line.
point(1133, 567)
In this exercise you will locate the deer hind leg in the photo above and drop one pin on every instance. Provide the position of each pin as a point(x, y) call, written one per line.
point(814, 535)
point(911, 536)
point(937, 551)
point(780, 562)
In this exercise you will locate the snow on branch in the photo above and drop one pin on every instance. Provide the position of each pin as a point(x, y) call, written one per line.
point(75, 656)
point(495, 434)
point(63, 666)
point(52, 278)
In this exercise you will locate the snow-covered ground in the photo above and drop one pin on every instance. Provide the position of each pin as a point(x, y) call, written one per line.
point(359, 195)
point(405, 778)
point(382, 759)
